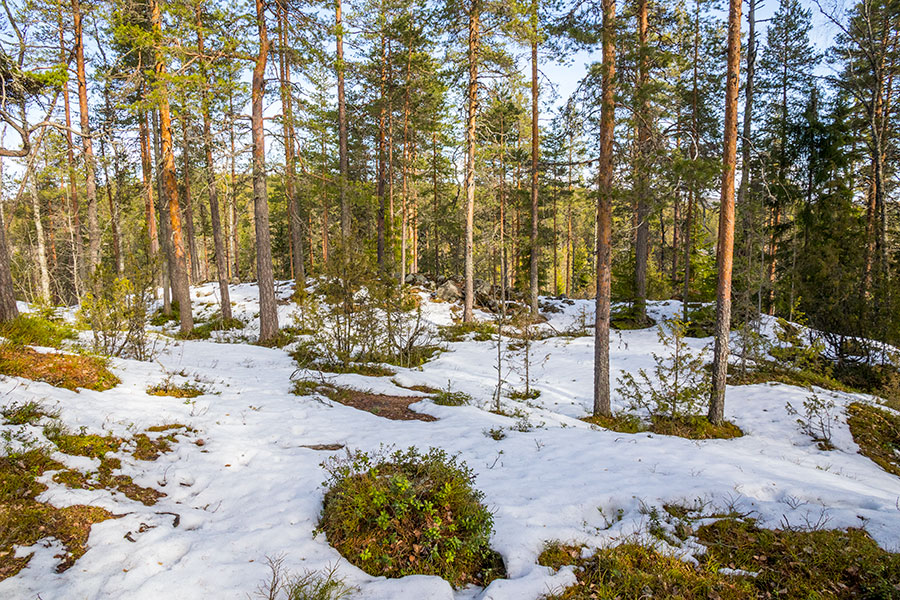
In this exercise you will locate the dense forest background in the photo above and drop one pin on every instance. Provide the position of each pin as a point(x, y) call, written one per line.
point(180, 141)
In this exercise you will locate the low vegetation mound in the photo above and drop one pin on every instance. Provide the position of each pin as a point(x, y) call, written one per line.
point(395, 408)
point(410, 513)
point(70, 371)
point(741, 561)
point(877, 433)
point(36, 330)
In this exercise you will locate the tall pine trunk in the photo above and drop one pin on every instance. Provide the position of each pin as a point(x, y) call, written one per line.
point(604, 212)
point(342, 126)
point(725, 244)
point(535, 153)
point(641, 179)
point(178, 267)
point(86, 142)
point(474, 50)
point(212, 188)
point(268, 316)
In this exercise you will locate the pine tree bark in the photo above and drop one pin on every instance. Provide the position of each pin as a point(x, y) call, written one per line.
point(268, 315)
point(87, 144)
point(178, 267)
point(147, 175)
point(188, 207)
point(641, 180)
point(212, 188)
point(165, 225)
point(8, 309)
point(604, 212)
point(43, 266)
point(534, 274)
point(74, 216)
point(379, 184)
point(290, 163)
point(725, 244)
point(474, 50)
point(342, 127)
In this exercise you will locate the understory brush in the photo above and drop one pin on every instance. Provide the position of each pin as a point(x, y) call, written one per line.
point(282, 584)
point(116, 313)
point(37, 329)
point(740, 561)
point(356, 316)
point(409, 513)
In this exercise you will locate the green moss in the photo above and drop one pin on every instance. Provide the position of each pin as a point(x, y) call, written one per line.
point(483, 331)
point(24, 521)
point(877, 433)
point(635, 571)
point(91, 445)
point(29, 413)
point(70, 371)
point(832, 563)
point(169, 388)
point(694, 427)
point(410, 513)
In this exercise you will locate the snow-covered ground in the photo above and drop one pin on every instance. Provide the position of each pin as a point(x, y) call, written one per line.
point(253, 490)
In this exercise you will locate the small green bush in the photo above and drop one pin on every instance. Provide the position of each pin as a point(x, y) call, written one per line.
point(450, 398)
point(409, 513)
point(37, 330)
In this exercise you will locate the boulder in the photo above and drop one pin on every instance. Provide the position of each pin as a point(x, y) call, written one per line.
point(448, 292)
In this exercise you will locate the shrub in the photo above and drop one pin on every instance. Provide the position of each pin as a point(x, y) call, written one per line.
point(116, 314)
point(817, 418)
point(409, 513)
point(355, 316)
point(37, 330)
point(450, 398)
point(681, 383)
point(311, 585)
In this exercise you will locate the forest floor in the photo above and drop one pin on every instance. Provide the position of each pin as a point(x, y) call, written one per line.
point(243, 481)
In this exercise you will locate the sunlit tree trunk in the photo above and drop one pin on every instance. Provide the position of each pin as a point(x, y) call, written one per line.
point(178, 267)
point(86, 142)
point(604, 212)
point(268, 316)
point(535, 154)
point(342, 126)
point(474, 49)
point(725, 244)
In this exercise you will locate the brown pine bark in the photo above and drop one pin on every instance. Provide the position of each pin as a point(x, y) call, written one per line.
point(404, 206)
point(290, 163)
point(188, 207)
point(8, 309)
point(212, 188)
point(379, 184)
point(474, 50)
point(725, 245)
point(343, 154)
point(178, 267)
point(86, 142)
point(268, 315)
point(534, 274)
point(641, 181)
point(147, 174)
point(165, 225)
point(604, 212)
point(74, 216)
